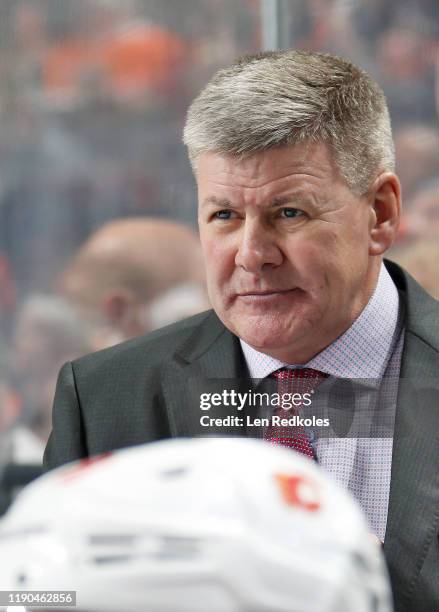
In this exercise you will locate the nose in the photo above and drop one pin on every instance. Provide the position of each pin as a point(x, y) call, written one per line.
point(257, 248)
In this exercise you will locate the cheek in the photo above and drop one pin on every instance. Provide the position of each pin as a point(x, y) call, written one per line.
point(311, 257)
point(218, 259)
point(339, 244)
point(322, 262)
point(213, 249)
point(344, 259)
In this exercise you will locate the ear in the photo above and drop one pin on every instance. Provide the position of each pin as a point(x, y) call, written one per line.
point(385, 212)
point(122, 311)
point(117, 306)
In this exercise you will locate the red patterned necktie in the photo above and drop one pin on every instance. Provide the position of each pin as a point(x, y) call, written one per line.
point(300, 380)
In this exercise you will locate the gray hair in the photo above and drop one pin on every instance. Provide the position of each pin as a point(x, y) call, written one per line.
point(283, 98)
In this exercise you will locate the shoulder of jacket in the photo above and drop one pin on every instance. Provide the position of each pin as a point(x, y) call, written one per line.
point(147, 351)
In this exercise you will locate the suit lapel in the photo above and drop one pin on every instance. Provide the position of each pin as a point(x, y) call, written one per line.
point(414, 491)
point(208, 361)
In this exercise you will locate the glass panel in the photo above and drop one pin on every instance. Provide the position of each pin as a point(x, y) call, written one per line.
point(93, 96)
point(397, 42)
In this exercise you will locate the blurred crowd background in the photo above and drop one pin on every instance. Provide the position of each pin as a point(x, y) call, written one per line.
point(97, 201)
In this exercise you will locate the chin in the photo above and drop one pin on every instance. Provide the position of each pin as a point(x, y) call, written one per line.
point(265, 335)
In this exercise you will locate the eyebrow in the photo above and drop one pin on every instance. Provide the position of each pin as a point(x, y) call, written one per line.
point(222, 202)
point(297, 199)
point(288, 199)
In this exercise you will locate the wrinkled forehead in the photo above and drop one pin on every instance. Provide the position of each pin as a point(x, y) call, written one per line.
point(307, 168)
point(274, 160)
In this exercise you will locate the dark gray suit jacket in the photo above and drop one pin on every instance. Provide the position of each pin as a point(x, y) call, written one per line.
point(141, 391)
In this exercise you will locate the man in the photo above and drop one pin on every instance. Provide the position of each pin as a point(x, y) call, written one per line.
point(121, 278)
point(298, 202)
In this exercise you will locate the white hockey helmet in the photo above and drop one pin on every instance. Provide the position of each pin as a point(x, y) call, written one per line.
point(189, 525)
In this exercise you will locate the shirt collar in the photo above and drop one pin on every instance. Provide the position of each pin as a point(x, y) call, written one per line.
point(361, 352)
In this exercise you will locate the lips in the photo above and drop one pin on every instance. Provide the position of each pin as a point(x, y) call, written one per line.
point(259, 293)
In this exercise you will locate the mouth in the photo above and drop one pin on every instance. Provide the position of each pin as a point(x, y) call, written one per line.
point(265, 299)
point(267, 293)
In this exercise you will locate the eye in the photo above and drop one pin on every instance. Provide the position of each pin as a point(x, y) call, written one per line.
point(223, 214)
point(291, 213)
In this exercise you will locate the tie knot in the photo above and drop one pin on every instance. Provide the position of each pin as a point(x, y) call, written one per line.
point(298, 379)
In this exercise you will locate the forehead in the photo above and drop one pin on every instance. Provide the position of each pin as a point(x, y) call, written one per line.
point(283, 166)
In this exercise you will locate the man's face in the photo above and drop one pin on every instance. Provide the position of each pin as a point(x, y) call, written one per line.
point(286, 247)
